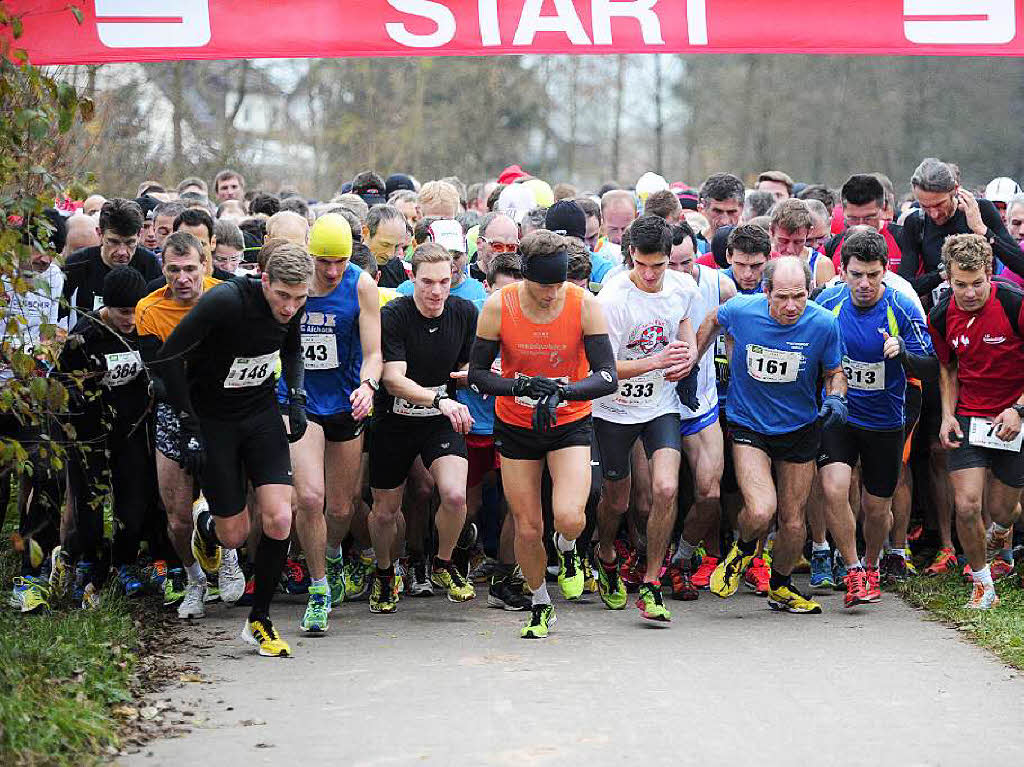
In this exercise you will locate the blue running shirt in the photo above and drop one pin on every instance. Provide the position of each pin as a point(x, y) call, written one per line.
point(331, 348)
point(774, 368)
point(877, 387)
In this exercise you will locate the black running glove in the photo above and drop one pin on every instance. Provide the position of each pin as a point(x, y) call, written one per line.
point(545, 416)
point(191, 445)
point(535, 387)
point(296, 415)
point(686, 389)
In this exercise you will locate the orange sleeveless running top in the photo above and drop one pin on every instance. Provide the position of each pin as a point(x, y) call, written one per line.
point(553, 350)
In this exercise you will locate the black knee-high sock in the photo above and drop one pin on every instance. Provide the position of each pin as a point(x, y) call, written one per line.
point(270, 557)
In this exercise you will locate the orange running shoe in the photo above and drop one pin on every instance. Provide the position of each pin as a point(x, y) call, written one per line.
point(1000, 568)
point(944, 562)
point(856, 587)
point(758, 577)
point(874, 585)
point(702, 578)
point(680, 583)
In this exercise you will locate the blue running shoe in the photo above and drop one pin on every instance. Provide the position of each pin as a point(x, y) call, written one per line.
point(130, 581)
point(838, 572)
point(821, 570)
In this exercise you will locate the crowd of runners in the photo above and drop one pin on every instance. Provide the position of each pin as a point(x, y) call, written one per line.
point(416, 390)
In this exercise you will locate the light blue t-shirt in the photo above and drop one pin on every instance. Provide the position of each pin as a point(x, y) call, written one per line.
point(877, 387)
point(774, 368)
point(470, 289)
point(481, 406)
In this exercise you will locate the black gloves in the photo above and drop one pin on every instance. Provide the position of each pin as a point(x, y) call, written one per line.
point(191, 445)
point(296, 415)
point(536, 388)
point(545, 416)
point(686, 389)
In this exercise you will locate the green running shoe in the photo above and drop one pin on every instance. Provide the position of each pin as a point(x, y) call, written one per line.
point(315, 619)
point(542, 618)
point(174, 587)
point(358, 578)
point(336, 580)
point(650, 603)
point(570, 573)
point(610, 586)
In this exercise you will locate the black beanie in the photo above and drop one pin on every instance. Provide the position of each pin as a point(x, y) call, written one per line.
point(565, 216)
point(398, 181)
point(718, 245)
point(123, 287)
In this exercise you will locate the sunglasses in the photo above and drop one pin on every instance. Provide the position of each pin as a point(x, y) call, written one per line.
point(502, 247)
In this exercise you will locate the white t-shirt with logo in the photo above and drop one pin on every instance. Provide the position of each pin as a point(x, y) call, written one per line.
point(641, 324)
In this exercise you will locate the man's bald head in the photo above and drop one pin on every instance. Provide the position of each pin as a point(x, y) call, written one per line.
point(288, 225)
point(92, 204)
point(81, 233)
point(787, 281)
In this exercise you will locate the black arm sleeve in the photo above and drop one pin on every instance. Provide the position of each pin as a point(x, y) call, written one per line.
point(293, 369)
point(922, 366)
point(602, 379)
point(482, 379)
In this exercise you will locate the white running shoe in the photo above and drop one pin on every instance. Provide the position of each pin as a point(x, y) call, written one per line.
point(230, 577)
point(194, 603)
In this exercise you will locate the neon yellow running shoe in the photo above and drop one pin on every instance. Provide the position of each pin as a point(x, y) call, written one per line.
point(450, 579)
point(262, 634)
point(787, 599)
point(30, 594)
point(570, 574)
point(650, 603)
point(727, 576)
point(542, 618)
point(610, 587)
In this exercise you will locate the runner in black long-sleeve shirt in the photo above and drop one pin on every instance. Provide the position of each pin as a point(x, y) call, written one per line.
point(231, 341)
point(947, 209)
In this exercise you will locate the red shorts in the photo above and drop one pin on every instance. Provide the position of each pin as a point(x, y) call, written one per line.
point(483, 457)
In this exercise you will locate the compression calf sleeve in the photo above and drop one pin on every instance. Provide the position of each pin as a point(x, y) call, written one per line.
point(602, 379)
point(270, 557)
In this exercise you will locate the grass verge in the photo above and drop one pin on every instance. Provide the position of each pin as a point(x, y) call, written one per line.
point(1000, 630)
point(61, 675)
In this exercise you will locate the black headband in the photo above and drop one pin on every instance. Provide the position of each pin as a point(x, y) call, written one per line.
point(548, 269)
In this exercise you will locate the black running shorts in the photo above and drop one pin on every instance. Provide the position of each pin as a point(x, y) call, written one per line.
point(521, 444)
point(800, 446)
point(253, 449)
point(616, 441)
point(880, 454)
point(1006, 466)
point(398, 440)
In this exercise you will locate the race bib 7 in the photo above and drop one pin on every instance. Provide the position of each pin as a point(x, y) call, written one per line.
point(982, 433)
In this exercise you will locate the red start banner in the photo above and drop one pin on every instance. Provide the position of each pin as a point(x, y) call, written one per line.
point(162, 30)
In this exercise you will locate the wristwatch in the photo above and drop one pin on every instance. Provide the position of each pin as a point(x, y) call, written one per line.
point(438, 397)
point(1019, 409)
point(373, 383)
